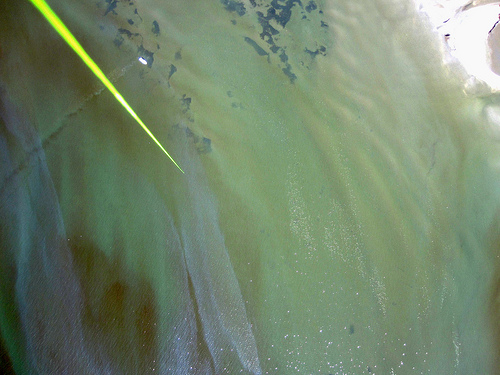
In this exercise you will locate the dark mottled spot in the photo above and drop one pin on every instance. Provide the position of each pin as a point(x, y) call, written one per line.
point(282, 13)
point(289, 74)
point(230, 94)
point(156, 28)
point(274, 49)
point(311, 6)
point(205, 146)
point(118, 40)
point(256, 47)
point(233, 22)
point(324, 24)
point(313, 54)
point(369, 369)
point(130, 22)
point(173, 69)
point(253, 3)
point(178, 55)
point(189, 133)
point(111, 7)
point(128, 33)
point(186, 102)
point(351, 329)
point(234, 6)
point(283, 57)
point(267, 30)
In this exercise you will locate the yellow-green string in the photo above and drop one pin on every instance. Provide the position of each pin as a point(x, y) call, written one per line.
point(64, 32)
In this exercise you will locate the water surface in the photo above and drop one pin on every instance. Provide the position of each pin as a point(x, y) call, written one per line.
point(338, 215)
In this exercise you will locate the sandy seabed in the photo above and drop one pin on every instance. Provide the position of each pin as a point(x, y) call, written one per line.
point(339, 213)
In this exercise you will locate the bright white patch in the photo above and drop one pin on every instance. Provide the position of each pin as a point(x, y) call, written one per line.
point(440, 11)
point(466, 32)
point(469, 36)
point(143, 60)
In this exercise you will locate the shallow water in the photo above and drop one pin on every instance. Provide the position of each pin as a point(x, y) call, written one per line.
point(338, 215)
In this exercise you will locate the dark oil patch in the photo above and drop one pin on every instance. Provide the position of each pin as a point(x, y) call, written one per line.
point(173, 69)
point(320, 51)
point(111, 7)
point(288, 72)
point(128, 33)
point(203, 144)
point(234, 6)
point(186, 103)
point(311, 6)
point(256, 47)
point(156, 28)
point(273, 16)
point(118, 41)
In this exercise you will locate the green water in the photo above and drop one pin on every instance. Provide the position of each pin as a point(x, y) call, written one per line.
point(338, 215)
